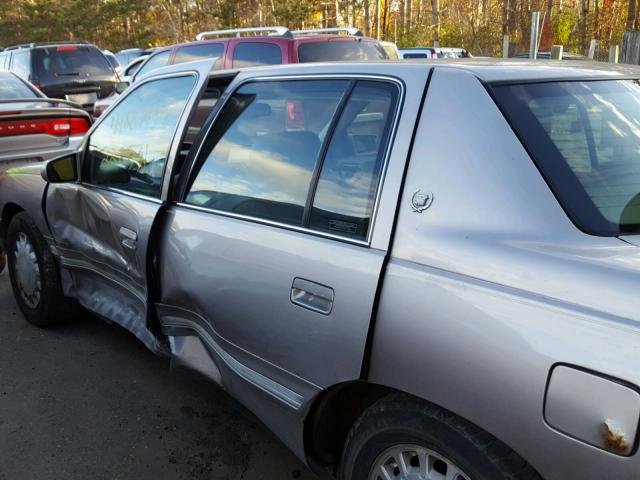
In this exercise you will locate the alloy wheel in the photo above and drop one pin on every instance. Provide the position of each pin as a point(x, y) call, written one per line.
point(27, 271)
point(412, 462)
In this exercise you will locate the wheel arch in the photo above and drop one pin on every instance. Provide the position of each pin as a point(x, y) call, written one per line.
point(330, 418)
point(9, 211)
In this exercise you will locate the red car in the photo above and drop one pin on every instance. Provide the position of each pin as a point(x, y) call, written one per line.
point(264, 46)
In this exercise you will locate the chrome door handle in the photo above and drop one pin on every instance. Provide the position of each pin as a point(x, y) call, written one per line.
point(312, 296)
point(129, 238)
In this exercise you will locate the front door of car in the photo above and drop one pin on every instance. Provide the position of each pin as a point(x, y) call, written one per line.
point(102, 224)
point(268, 255)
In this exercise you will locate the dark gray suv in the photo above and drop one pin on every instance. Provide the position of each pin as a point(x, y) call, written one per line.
point(74, 71)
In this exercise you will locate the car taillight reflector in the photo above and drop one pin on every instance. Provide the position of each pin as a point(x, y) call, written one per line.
point(55, 126)
point(67, 48)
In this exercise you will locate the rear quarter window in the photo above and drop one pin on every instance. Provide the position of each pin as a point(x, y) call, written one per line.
point(341, 50)
point(21, 64)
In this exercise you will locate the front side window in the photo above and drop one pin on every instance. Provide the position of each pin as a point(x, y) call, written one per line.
point(250, 54)
point(275, 142)
point(585, 138)
point(129, 149)
point(156, 61)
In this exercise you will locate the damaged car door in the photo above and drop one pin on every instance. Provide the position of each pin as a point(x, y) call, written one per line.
point(102, 223)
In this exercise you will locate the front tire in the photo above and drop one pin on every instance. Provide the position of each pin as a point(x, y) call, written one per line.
point(34, 275)
point(403, 438)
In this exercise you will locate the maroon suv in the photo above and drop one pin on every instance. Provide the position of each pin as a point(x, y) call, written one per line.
point(264, 46)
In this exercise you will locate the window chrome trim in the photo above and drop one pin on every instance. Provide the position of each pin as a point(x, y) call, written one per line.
point(119, 191)
point(302, 77)
point(286, 226)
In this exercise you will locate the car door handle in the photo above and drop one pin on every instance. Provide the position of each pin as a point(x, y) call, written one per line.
point(312, 296)
point(129, 238)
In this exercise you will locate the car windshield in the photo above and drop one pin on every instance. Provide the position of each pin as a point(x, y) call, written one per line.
point(340, 51)
point(71, 61)
point(585, 139)
point(12, 87)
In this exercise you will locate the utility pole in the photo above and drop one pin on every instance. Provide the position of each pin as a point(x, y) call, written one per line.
point(533, 45)
point(378, 19)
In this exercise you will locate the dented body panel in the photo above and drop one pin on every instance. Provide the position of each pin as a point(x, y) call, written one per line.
point(472, 289)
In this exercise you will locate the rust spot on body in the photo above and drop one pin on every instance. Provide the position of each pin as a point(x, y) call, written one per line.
point(612, 439)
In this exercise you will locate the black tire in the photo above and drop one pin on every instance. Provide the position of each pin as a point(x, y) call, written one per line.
point(403, 420)
point(52, 306)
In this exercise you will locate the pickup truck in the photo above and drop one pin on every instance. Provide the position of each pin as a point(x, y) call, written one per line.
point(405, 270)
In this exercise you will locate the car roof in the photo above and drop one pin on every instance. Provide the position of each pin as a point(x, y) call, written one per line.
point(487, 70)
point(273, 39)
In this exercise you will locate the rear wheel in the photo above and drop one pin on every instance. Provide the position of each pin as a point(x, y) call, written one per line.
point(404, 438)
point(34, 275)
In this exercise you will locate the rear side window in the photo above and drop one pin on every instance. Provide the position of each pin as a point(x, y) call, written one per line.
point(21, 64)
point(585, 138)
point(263, 163)
point(345, 195)
point(69, 62)
point(342, 50)
point(156, 61)
point(282, 139)
point(12, 87)
point(198, 52)
point(250, 54)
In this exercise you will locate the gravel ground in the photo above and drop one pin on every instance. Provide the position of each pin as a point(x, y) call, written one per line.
point(87, 401)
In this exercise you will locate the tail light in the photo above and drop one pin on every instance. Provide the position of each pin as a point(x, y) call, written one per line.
point(434, 54)
point(58, 127)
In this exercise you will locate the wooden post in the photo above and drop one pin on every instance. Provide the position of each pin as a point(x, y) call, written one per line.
point(556, 52)
point(592, 48)
point(533, 45)
point(614, 53)
point(505, 46)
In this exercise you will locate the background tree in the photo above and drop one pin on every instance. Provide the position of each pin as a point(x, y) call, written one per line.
point(477, 25)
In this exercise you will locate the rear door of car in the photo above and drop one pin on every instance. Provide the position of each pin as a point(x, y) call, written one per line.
point(102, 224)
point(274, 250)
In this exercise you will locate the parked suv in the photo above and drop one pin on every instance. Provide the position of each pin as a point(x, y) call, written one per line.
point(75, 71)
point(264, 46)
point(393, 307)
point(270, 46)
